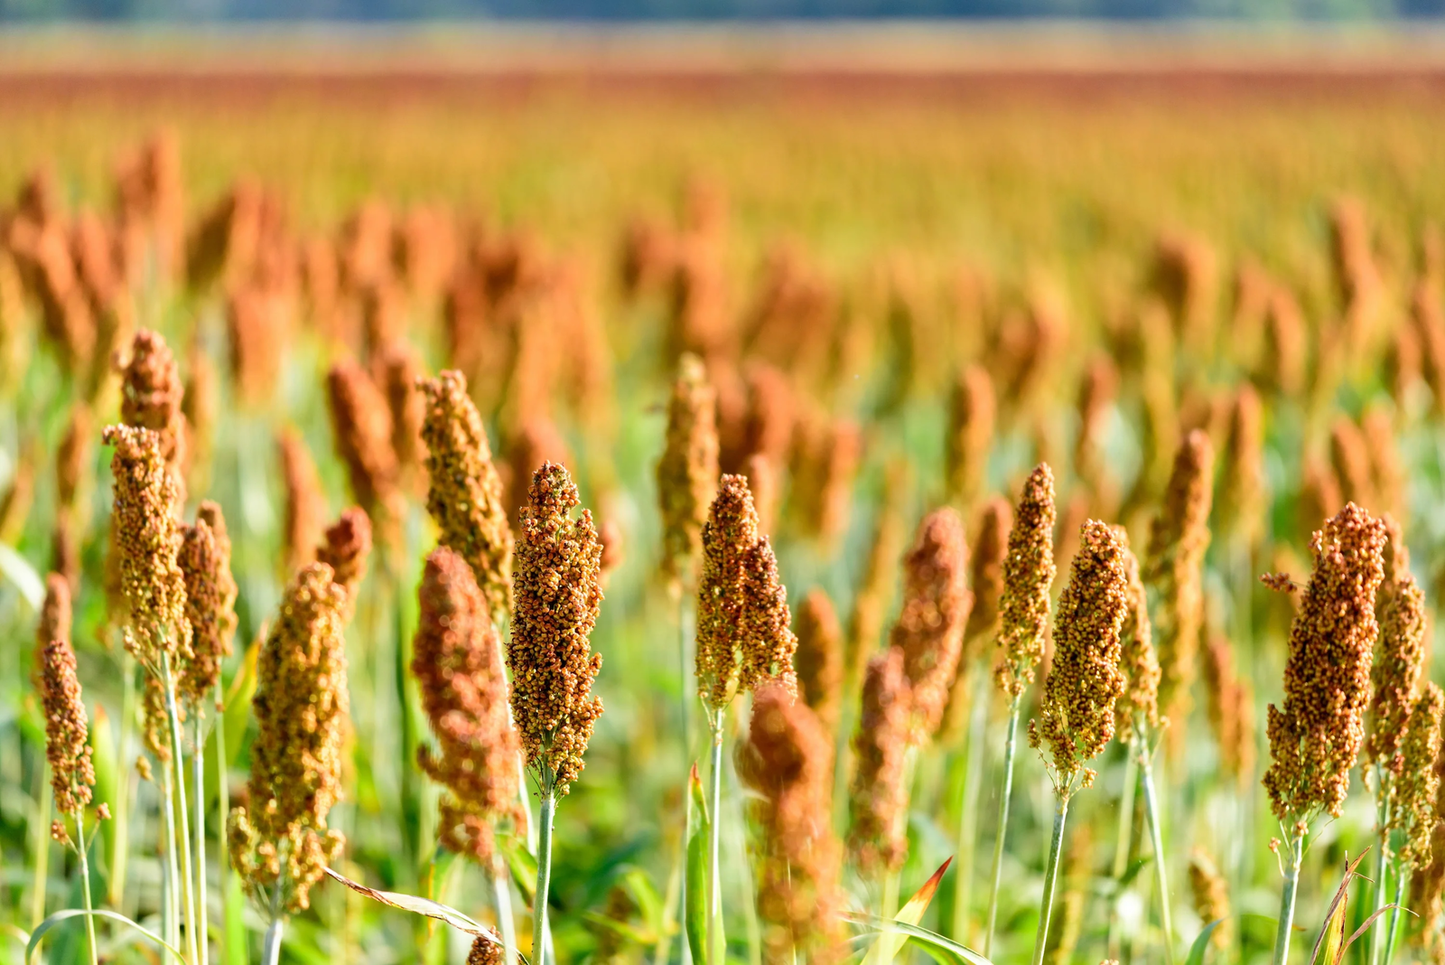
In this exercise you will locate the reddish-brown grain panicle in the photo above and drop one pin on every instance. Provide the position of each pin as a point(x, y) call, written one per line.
point(305, 502)
point(936, 604)
point(55, 613)
point(147, 538)
point(399, 373)
point(1211, 897)
point(1230, 705)
point(465, 494)
point(1413, 810)
point(1242, 498)
point(528, 447)
point(1096, 395)
point(66, 745)
point(361, 423)
point(878, 797)
point(688, 470)
point(1173, 568)
point(205, 563)
point(1396, 669)
point(484, 951)
point(1138, 706)
point(800, 897)
point(1286, 345)
point(825, 459)
point(1387, 478)
point(301, 707)
point(557, 597)
point(874, 593)
point(1350, 458)
point(1076, 714)
point(761, 474)
point(256, 327)
point(458, 666)
point(971, 410)
point(73, 458)
point(347, 550)
point(986, 578)
point(820, 658)
point(1028, 574)
point(152, 394)
point(1315, 738)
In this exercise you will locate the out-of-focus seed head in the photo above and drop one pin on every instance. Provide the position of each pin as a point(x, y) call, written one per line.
point(1315, 738)
point(761, 474)
point(465, 498)
point(55, 614)
point(151, 397)
point(556, 600)
point(1076, 714)
point(1386, 475)
point(1350, 458)
point(688, 470)
point(399, 372)
point(1028, 575)
point(1210, 893)
point(361, 422)
point(936, 605)
point(990, 549)
point(147, 538)
point(66, 746)
point(1173, 567)
point(1413, 810)
point(1286, 346)
point(347, 550)
point(205, 563)
point(971, 412)
point(73, 458)
point(743, 637)
point(458, 666)
point(875, 587)
point(787, 759)
point(1242, 497)
point(820, 658)
point(1396, 669)
point(305, 501)
point(1139, 703)
point(878, 798)
point(1096, 395)
point(1230, 705)
point(825, 460)
point(257, 323)
point(301, 707)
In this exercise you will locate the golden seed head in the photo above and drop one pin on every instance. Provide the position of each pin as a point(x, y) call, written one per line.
point(1028, 575)
point(148, 538)
point(1230, 704)
point(1413, 811)
point(820, 658)
point(743, 637)
point(484, 951)
point(1076, 714)
point(305, 501)
point(465, 497)
point(825, 461)
point(55, 613)
point(1242, 499)
point(1315, 738)
point(361, 423)
point(458, 667)
point(1350, 459)
point(1396, 669)
point(66, 746)
point(788, 759)
point(936, 604)
point(1173, 567)
point(971, 408)
point(875, 587)
point(688, 470)
point(301, 708)
point(347, 550)
point(557, 596)
point(1211, 896)
point(1139, 703)
point(205, 563)
point(990, 553)
point(878, 797)
point(151, 397)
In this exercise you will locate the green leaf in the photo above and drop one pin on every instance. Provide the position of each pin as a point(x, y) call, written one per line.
point(1201, 943)
point(930, 941)
point(18, 571)
point(890, 943)
point(521, 862)
point(67, 914)
point(1366, 926)
point(695, 888)
point(1135, 866)
point(238, 701)
point(1332, 935)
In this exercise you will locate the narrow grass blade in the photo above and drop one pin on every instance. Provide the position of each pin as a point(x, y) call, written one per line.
point(1201, 943)
point(930, 941)
point(695, 892)
point(418, 906)
point(60, 916)
point(1366, 926)
point(890, 943)
point(18, 571)
point(1332, 934)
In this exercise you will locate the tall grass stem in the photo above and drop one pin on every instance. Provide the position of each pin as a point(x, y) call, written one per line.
point(1287, 899)
point(178, 763)
point(198, 770)
point(714, 871)
point(1010, 748)
point(544, 871)
point(80, 850)
point(1051, 879)
point(1156, 834)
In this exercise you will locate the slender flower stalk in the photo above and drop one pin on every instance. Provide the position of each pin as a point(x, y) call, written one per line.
point(557, 596)
point(1023, 619)
point(1076, 713)
point(1315, 738)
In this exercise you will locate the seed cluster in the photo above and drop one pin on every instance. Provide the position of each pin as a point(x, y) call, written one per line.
point(66, 745)
point(878, 797)
point(1137, 710)
point(347, 549)
point(688, 470)
point(465, 495)
point(936, 605)
point(1230, 705)
point(1315, 738)
point(1418, 785)
point(820, 658)
point(1028, 574)
point(151, 397)
point(305, 513)
point(971, 408)
point(1211, 897)
point(205, 563)
point(1396, 670)
point(361, 423)
point(556, 599)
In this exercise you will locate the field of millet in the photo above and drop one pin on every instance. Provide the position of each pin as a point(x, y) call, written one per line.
point(714, 499)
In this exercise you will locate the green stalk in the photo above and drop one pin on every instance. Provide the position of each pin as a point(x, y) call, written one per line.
point(42, 848)
point(178, 762)
point(407, 776)
point(544, 869)
point(271, 946)
point(125, 785)
point(1287, 899)
point(229, 892)
point(714, 869)
point(968, 809)
point(1121, 848)
point(1381, 863)
point(80, 850)
point(1010, 747)
point(198, 771)
point(171, 903)
point(1402, 888)
point(500, 621)
point(1151, 804)
point(1051, 878)
point(502, 895)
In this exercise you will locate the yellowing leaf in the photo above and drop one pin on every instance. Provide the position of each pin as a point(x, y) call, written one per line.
point(891, 942)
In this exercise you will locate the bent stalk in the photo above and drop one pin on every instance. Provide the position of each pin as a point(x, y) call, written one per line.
point(1051, 878)
point(1009, 748)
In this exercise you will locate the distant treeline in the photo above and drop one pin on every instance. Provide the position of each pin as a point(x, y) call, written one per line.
point(608, 10)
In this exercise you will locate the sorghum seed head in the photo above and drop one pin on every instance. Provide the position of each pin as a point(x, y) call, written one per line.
point(820, 658)
point(1211, 896)
point(361, 422)
point(1028, 575)
point(1396, 669)
point(1316, 737)
point(878, 798)
point(971, 411)
point(1241, 501)
point(556, 599)
point(205, 563)
point(1413, 811)
point(688, 470)
point(305, 501)
point(55, 613)
point(346, 550)
point(1230, 704)
point(875, 586)
point(151, 397)
point(936, 604)
point(66, 747)
point(1139, 703)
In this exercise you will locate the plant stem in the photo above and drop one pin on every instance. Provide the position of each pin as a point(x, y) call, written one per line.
point(502, 895)
point(968, 808)
point(1051, 878)
point(271, 947)
point(1009, 748)
point(1151, 804)
point(80, 850)
point(41, 876)
point(1381, 866)
point(198, 769)
point(178, 763)
point(1402, 888)
point(1121, 848)
point(1286, 899)
point(544, 871)
point(125, 786)
point(714, 870)
point(223, 805)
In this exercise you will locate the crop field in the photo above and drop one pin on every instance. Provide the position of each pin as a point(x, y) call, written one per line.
point(464, 507)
